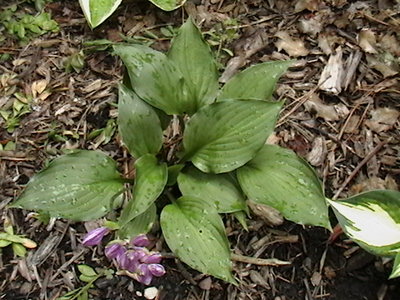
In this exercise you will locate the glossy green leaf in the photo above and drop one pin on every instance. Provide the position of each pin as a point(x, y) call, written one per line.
point(151, 178)
point(155, 79)
point(97, 11)
point(372, 220)
point(255, 82)
point(140, 224)
point(139, 125)
point(225, 135)
point(279, 178)
point(192, 55)
point(173, 172)
point(168, 5)
point(87, 270)
point(195, 232)
point(396, 267)
point(79, 186)
point(218, 189)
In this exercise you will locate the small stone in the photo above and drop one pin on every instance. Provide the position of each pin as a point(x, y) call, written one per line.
point(205, 284)
point(151, 293)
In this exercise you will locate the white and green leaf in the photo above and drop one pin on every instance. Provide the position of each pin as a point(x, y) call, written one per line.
point(279, 178)
point(192, 55)
point(372, 220)
point(195, 233)
point(223, 136)
point(396, 267)
point(97, 11)
point(139, 125)
point(168, 5)
point(80, 186)
point(155, 79)
point(221, 190)
point(151, 178)
point(255, 82)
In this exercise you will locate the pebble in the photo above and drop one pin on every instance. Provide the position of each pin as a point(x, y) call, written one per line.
point(151, 293)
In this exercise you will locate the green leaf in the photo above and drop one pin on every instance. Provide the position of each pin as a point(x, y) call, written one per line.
point(256, 82)
point(279, 178)
point(4, 243)
point(396, 267)
point(87, 270)
point(192, 55)
point(139, 125)
point(140, 224)
point(224, 136)
point(168, 5)
point(97, 11)
point(151, 178)
point(372, 220)
point(86, 278)
point(195, 232)
point(79, 186)
point(155, 79)
point(220, 190)
point(18, 249)
point(173, 172)
point(241, 217)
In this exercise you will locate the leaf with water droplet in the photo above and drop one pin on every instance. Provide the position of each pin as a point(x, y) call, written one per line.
point(225, 135)
point(372, 220)
point(220, 189)
point(79, 186)
point(155, 79)
point(279, 178)
point(138, 123)
point(256, 82)
point(192, 55)
point(197, 239)
point(151, 178)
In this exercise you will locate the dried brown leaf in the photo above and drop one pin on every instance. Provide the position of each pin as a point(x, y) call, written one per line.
point(382, 119)
point(311, 5)
point(316, 156)
point(267, 213)
point(367, 41)
point(315, 105)
point(293, 47)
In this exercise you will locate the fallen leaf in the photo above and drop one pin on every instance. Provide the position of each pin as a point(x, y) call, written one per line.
point(382, 119)
point(293, 47)
point(316, 156)
point(367, 41)
point(38, 87)
point(316, 106)
point(390, 43)
point(268, 214)
point(311, 5)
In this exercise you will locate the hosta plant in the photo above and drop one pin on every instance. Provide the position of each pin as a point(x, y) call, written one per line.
point(200, 152)
point(97, 11)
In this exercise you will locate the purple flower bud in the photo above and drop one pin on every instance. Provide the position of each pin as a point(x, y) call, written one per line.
point(141, 253)
point(154, 258)
point(94, 237)
point(140, 241)
point(114, 250)
point(156, 270)
point(144, 275)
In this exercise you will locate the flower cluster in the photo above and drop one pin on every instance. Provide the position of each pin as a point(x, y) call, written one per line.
point(132, 257)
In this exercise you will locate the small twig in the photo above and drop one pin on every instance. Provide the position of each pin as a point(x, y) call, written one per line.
point(259, 261)
point(358, 168)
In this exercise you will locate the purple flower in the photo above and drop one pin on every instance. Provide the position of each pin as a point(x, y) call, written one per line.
point(114, 250)
point(140, 241)
point(156, 270)
point(94, 237)
point(154, 258)
point(144, 275)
